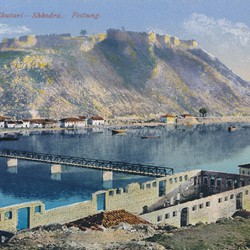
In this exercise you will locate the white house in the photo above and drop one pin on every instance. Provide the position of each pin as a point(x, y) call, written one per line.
point(18, 124)
point(10, 124)
point(169, 119)
point(26, 123)
point(73, 122)
point(96, 120)
point(3, 120)
point(1, 123)
point(50, 123)
point(36, 123)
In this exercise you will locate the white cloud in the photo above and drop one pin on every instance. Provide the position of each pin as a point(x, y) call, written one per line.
point(7, 29)
point(201, 24)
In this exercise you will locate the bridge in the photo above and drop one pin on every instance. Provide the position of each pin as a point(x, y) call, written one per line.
point(104, 165)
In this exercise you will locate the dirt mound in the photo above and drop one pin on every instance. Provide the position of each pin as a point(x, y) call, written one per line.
point(107, 219)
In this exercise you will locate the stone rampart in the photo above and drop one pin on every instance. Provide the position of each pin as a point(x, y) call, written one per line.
point(132, 198)
point(205, 210)
point(136, 197)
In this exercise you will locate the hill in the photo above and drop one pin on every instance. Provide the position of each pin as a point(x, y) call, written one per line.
point(118, 73)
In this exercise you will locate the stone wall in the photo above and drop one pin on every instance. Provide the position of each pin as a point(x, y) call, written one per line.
point(8, 215)
point(212, 182)
point(133, 198)
point(42, 41)
point(128, 36)
point(136, 197)
point(205, 210)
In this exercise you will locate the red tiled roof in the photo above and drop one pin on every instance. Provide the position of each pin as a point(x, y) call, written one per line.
point(71, 119)
point(38, 121)
point(4, 117)
point(96, 118)
point(50, 121)
point(167, 115)
point(82, 117)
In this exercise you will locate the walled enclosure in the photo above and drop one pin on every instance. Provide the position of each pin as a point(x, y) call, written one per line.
point(136, 197)
point(133, 198)
point(206, 210)
point(223, 194)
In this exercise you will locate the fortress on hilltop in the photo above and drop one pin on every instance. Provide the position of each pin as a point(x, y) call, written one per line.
point(53, 40)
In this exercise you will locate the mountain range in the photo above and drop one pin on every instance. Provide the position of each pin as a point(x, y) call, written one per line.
point(117, 73)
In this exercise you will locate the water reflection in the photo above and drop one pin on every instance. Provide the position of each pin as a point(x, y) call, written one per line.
point(183, 148)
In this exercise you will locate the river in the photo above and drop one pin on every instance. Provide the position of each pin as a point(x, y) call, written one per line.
point(209, 147)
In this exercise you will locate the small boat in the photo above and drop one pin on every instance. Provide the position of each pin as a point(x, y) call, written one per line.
point(9, 138)
point(150, 137)
point(231, 128)
point(119, 131)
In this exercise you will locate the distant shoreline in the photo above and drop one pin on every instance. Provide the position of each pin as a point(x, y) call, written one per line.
point(186, 121)
point(139, 123)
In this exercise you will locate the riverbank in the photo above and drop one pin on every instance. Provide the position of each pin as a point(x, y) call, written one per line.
point(150, 122)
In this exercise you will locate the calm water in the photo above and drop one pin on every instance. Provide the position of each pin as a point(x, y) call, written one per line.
point(210, 147)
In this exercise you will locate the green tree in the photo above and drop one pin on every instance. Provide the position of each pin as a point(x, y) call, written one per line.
point(83, 32)
point(203, 111)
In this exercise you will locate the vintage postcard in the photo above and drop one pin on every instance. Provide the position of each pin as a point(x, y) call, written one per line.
point(124, 124)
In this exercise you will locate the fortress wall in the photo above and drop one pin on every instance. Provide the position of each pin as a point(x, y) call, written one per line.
point(42, 41)
point(205, 210)
point(212, 182)
point(132, 199)
point(8, 215)
point(58, 40)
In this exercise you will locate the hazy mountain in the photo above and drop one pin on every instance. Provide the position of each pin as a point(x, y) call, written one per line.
point(117, 73)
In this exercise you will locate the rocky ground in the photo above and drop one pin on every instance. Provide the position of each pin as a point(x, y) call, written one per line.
point(225, 234)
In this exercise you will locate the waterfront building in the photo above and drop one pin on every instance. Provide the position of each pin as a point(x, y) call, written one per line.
point(1, 123)
point(26, 123)
point(73, 122)
point(18, 124)
point(169, 119)
point(96, 120)
point(179, 200)
point(10, 124)
point(50, 123)
point(36, 123)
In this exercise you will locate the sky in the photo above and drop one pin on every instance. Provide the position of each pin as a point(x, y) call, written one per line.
point(221, 27)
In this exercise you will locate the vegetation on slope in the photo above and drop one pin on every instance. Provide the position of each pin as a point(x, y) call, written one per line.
point(227, 234)
point(120, 73)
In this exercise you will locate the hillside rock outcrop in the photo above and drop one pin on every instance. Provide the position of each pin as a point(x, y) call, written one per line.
point(118, 73)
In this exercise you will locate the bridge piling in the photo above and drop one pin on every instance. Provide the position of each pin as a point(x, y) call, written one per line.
point(56, 171)
point(82, 162)
point(12, 162)
point(107, 177)
point(12, 165)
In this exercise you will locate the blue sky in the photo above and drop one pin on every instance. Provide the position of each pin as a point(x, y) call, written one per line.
point(222, 27)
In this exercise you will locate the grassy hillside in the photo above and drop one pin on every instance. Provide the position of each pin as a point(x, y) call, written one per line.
point(118, 73)
point(227, 234)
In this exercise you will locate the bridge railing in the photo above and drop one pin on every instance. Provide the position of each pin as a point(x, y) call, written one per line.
point(106, 165)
